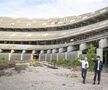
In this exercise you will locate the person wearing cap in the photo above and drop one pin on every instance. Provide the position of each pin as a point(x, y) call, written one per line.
point(84, 66)
point(98, 65)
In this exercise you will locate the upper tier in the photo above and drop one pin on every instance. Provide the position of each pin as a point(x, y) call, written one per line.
point(8, 22)
point(51, 35)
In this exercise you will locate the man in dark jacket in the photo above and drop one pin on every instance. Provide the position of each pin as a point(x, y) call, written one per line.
point(98, 65)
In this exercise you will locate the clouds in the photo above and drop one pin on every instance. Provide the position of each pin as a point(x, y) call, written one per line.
point(74, 3)
point(82, 6)
point(48, 8)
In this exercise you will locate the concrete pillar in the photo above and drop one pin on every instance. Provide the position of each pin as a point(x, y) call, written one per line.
point(70, 48)
point(79, 53)
point(61, 50)
point(54, 51)
point(23, 51)
point(21, 57)
point(9, 58)
point(10, 54)
point(12, 51)
point(22, 54)
point(83, 46)
point(48, 51)
point(33, 52)
point(0, 50)
point(102, 44)
point(42, 51)
point(31, 57)
point(100, 52)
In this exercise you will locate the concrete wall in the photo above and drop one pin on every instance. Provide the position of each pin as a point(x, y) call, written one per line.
point(5, 55)
point(61, 55)
point(48, 57)
point(16, 56)
point(42, 57)
point(57, 56)
point(72, 55)
point(26, 57)
point(54, 56)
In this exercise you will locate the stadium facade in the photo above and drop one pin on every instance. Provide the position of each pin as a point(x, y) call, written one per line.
point(54, 38)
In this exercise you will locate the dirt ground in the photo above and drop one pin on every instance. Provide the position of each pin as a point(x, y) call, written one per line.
point(45, 78)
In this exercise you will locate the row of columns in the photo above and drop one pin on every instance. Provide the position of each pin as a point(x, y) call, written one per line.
point(99, 51)
point(102, 43)
point(21, 58)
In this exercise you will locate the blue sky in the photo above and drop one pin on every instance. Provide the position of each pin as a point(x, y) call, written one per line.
point(49, 8)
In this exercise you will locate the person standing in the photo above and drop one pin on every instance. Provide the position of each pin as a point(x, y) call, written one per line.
point(98, 65)
point(85, 66)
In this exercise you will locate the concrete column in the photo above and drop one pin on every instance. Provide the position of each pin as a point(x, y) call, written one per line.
point(54, 51)
point(48, 51)
point(79, 53)
point(9, 58)
point(33, 52)
point(23, 51)
point(12, 51)
point(103, 43)
point(0, 50)
point(21, 57)
point(83, 46)
point(10, 54)
point(61, 50)
point(31, 57)
point(22, 54)
point(100, 52)
point(42, 51)
point(70, 48)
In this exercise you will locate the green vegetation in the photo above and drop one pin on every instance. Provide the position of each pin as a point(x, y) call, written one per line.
point(2, 58)
point(72, 63)
point(75, 63)
point(62, 61)
point(91, 56)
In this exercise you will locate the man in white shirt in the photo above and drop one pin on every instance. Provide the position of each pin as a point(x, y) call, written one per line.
point(85, 66)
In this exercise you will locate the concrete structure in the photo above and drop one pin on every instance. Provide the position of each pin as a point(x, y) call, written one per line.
point(55, 38)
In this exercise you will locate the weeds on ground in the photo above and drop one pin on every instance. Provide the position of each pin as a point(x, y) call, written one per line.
point(3, 63)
